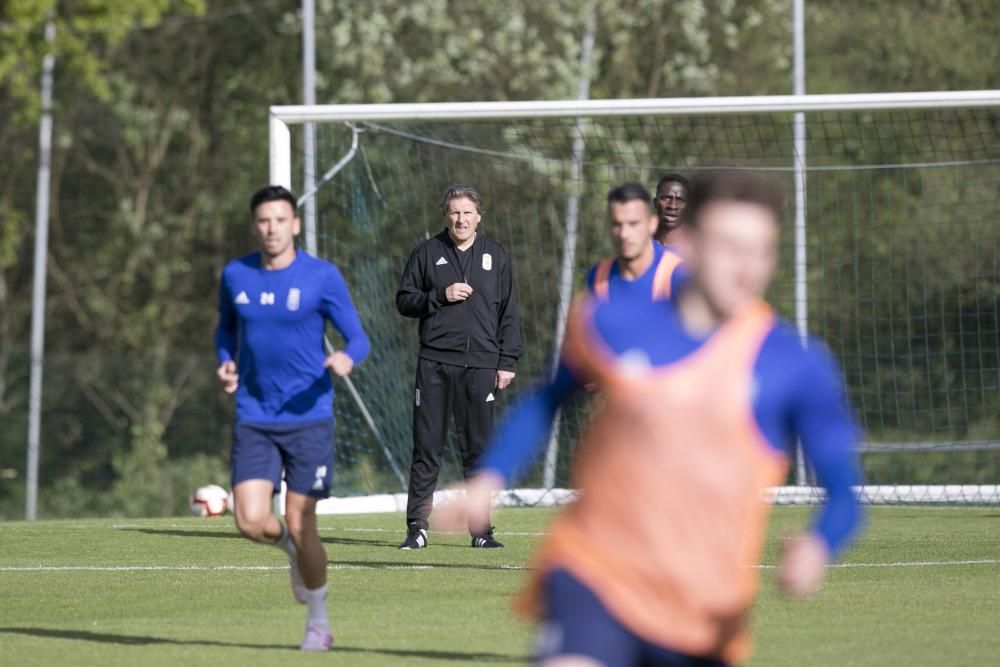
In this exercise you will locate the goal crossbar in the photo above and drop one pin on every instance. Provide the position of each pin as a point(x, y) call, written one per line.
point(294, 114)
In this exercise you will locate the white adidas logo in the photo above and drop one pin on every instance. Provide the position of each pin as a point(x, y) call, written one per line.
point(441, 262)
point(490, 397)
point(242, 298)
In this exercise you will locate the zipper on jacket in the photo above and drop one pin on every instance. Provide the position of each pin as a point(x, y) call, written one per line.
point(465, 279)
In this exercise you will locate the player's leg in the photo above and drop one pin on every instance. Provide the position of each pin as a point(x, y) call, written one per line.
point(256, 461)
point(252, 509)
point(475, 398)
point(308, 453)
point(578, 631)
point(431, 411)
point(300, 513)
point(256, 472)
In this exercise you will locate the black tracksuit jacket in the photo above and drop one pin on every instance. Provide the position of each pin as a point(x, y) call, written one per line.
point(484, 331)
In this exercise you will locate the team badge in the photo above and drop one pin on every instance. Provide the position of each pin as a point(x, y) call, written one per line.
point(294, 295)
point(487, 261)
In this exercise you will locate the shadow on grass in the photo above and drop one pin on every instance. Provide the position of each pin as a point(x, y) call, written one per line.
point(132, 640)
point(185, 533)
point(326, 539)
point(135, 640)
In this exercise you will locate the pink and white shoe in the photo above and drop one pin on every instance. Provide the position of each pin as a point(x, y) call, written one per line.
point(318, 638)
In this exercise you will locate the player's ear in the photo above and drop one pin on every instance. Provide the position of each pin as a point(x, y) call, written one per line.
point(296, 226)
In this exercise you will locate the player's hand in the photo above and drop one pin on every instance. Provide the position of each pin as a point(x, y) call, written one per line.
point(803, 565)
point(469, 510)
point(227, 376)
point(504, 378)
point(340, 363)
point(458, 292)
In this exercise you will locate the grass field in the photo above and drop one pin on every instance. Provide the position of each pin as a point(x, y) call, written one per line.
point(922, 587)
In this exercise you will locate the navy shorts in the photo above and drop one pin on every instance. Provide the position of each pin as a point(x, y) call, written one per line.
point(304, 450)
point(577, 624)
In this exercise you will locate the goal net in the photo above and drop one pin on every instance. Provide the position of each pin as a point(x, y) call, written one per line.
point(898, 269)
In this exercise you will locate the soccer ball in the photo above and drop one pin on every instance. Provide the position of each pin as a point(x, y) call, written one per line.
point(208, 501)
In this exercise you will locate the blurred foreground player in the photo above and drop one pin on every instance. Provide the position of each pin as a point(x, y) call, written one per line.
point(273, 308)
point(642, 268)
point(705, 396)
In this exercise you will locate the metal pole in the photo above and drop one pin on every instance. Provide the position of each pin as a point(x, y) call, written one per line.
point(40, 273)
point(309, 99)
point(572, 221)
point(799, 159)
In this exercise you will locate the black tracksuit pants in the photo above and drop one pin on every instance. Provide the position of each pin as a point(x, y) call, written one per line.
point(442, 392)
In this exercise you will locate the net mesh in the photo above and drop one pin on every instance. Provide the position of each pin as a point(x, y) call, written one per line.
point(903, 216)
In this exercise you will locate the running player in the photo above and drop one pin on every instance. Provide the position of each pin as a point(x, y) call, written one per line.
point(671, 198)
point(273, 306)
point(704, 396)
point(642, 268)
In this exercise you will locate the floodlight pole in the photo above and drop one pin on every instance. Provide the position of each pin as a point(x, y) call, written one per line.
point(799, 160)
point(572, 224)
point(309, 135)
point(40, 273)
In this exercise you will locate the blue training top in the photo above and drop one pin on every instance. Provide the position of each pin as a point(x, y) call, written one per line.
point(798, 394)
point(272, 323)
point(642, 287)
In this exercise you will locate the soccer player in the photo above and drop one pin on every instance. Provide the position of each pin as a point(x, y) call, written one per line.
point(273, 306)
point(642, 267)
point(671, 198)
point(704, 395)
point(460, 285)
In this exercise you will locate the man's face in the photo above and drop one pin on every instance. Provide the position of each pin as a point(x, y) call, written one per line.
point(632, 227)
point(463, 219)
point(671, 198)
point(732, 253)
point(275, 226)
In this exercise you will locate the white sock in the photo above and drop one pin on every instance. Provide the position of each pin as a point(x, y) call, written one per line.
point(316, 603)
point(285, 541)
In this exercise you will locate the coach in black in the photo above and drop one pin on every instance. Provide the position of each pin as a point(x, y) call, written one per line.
point(460, 285)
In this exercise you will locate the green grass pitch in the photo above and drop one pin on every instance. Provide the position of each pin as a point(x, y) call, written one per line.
point(921, 587)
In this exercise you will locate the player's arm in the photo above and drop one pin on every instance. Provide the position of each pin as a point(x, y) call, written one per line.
point(226, 339)
point(509, 326)
point(412, 300)
point(339, 309)
point(829, 434)
point(514, 446)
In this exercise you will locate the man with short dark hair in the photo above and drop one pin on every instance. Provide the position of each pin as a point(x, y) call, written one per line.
point(641, 268)
point(671, 198)
point(273, 308)
point(704, 396)
point(460, 286)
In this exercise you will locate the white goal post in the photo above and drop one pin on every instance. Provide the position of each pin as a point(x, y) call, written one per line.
point(281, 163)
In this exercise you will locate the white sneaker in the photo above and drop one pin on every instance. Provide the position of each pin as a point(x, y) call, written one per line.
point(318, 638)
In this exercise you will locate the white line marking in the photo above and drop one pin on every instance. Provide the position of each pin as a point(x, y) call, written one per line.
point(420, 566)
point(229, 568)
point(925, 563)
